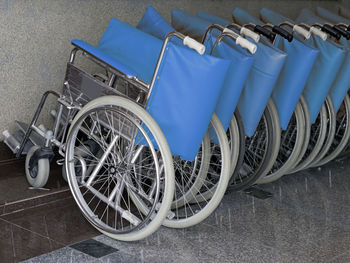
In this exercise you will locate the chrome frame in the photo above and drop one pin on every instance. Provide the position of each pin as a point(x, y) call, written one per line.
point(72, 106)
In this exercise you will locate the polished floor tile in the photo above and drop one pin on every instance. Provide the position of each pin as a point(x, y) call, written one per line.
point(63, 255)
point(39, 230)
point(306, 220)
point(14, 188)
point(94, 248)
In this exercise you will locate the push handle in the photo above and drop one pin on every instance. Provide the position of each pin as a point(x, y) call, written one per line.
point(319, 33)
point(284, 33)
point(329, 30)
point(302, 31)
point(194, 44)
point(265, 32)
point(342, 31)
point(249, 33)
point(227, 30)
point(246, 44)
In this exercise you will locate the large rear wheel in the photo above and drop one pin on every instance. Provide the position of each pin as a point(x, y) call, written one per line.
point(135, 163)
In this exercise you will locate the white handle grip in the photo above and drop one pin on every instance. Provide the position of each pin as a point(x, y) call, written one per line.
point(302, 31)
point(194, 44)
point(246, 44)
point(249, 33)
point(319, 33)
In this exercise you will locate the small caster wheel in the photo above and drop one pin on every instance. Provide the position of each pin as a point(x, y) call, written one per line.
point(38, 174)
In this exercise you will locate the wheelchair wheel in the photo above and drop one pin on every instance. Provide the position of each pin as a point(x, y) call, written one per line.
point(331, 126)
point(317, 137)
point(209, 196)
point(190, 176)
point(236, 130)
point(104, 193)
point(89, 147)
point(307, 132)
point(260, 150)
point(37, 174)
point(291, 143)
point(342, 133)
point(193, 174)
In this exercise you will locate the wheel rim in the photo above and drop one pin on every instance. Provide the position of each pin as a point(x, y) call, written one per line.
point(342, 132)
point(106, 202)
point(209, 195)
point(317, 136)
point(190, 176)
point(288, 142)
point(254, 156)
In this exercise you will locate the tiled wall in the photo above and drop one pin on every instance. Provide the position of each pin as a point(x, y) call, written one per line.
point(35, 38)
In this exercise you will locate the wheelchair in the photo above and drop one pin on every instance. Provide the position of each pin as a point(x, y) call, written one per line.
point(302, 35)
point(133, 156)
point(337, 131)
point(341, 107)
point(260, 139)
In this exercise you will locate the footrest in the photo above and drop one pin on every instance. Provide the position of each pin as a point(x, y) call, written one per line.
point(34, 137)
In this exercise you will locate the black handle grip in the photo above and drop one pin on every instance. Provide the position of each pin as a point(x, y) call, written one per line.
point(342, 32)
point(265, 32)
point(284, 33)
point(329, 30)
point(348, 29)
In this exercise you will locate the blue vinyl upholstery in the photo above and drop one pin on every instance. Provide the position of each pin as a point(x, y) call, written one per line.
point(331, 74)
point(187, 88)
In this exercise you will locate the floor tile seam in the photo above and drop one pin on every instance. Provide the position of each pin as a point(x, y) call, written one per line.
point(68, 251)
point(71, 249)
point(13, 243)
point(101, 259)
point(28, 230)
point(36, 206)
point(39, 196)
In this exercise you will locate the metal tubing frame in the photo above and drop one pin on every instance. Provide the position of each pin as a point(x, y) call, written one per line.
point(34, 120)
point(160, 58)
point(209, 29)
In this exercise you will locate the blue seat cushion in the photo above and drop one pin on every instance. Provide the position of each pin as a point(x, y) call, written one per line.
point(113, 62)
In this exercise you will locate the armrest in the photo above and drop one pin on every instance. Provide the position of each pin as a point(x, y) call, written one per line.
point(100, 55)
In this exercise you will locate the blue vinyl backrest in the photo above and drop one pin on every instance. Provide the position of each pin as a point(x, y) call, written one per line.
point(242, 17)
point(328, 15)
point(241, 61)
point(298, 66)
point(189, 24)
point(186, 90)
point(272, 17)
point(213, 19)
point(332, 71)
point(262, 78)
point(132, 47)
point(184, 97)
point(153, 23)
point(342, 82)
point(344, 12)
point(259, 85)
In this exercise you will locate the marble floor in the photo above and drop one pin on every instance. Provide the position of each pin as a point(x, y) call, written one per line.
point(34, 222)
point(306, 220)
point(12, 174)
